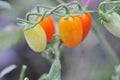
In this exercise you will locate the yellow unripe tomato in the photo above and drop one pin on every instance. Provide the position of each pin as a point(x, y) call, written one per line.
point(36, 38)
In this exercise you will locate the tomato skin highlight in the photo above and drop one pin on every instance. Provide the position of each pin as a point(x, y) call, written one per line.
point(71, 31)
point(36, 38)
point(86, 19)
point(48, 26)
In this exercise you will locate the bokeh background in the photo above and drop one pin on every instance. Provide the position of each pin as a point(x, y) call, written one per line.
point(88, 61)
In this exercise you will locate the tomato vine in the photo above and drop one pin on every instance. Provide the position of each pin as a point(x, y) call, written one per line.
point(74, 26)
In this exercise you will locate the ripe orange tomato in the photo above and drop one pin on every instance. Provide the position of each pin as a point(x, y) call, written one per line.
point(86, 19)
point(71, 31)
point(48, 27)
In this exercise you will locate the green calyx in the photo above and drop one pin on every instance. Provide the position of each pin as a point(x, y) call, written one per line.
point(104, 16)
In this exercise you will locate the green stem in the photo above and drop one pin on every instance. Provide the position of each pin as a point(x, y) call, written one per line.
point(29, 14)
point(55, 70)
point(110, 2)
point(52, 10)
point(64, 5)
point(60, 1)
point(101, 13)
point(41, 19)
point(24, 21)
point(79, 7)
point(105, 44)
point(71, 3)
point(57, 14)
point(61, 6)
point(102, 6)
point(46, 7)
point(66, 8)
point(22, 74)
point(49, 56)
point(47, 13)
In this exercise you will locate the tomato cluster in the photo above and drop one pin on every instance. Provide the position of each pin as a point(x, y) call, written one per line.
point(38, 36)
point(73, 31)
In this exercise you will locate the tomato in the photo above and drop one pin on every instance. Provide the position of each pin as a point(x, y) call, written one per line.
point(113, 23)
point(48, 26)
point(87, 22)
point(36, 38)
point(71, 31)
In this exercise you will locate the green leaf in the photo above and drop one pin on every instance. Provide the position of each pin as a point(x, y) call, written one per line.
point(55, 71)
point(8, 39)
point(4, 5)
point(7, 70)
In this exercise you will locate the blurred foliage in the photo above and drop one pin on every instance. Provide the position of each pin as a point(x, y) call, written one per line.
point(4, 5)
point(103, 73)
point(8, 39)
point(117, 73)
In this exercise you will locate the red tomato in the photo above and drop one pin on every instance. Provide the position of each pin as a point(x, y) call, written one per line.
point(87, 22)
point(71, 31)
point(48, 27)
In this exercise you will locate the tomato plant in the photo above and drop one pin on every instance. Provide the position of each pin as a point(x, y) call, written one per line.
point(71, 31)
point(86, 19)
point(36, 38)
point(48, 26)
